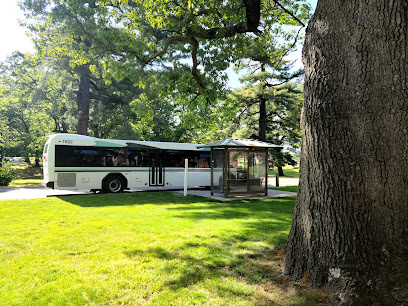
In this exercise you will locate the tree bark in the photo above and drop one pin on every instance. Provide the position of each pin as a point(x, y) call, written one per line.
point(83, 100)
point(262, 119)
point(351, 213)
point(262, 122)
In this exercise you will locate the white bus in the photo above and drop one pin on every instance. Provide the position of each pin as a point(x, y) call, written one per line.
point(76, 162)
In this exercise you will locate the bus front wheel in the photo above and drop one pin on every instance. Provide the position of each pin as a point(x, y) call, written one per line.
point(113, 184)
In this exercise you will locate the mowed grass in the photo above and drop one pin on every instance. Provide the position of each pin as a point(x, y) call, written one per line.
point(145, 248)
point(26, 183)
point(286, 188)
point(289, 171)
point(27, 176)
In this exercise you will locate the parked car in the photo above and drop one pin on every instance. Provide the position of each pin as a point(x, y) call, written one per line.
point(15, 159)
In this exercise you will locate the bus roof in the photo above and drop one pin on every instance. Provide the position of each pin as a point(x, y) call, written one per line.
point(93, 141)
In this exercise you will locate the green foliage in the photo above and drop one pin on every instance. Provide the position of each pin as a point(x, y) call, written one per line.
point(7, 174)
point(268, 106)
point(23, 106)
point(145, 248)
point(157, 68)
point(187, 44)
point(26, 175)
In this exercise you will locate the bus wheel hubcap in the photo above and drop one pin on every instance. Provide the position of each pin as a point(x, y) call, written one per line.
point(114, 186)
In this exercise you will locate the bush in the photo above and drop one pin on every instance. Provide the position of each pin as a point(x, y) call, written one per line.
point(7, 174)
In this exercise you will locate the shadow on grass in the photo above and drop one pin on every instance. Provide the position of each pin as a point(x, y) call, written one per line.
point(28, 172)
point(235, 260)
point(276, 208)
point(260, 217)
point(229, 270)
point(169, 198)
point(130, 199)
point(238, 261)
point(156, 252)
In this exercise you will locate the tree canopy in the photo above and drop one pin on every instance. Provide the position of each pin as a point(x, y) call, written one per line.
point(129, 37)
point(145, 69)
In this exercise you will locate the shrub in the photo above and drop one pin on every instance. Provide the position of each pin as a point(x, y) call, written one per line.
point(7, 174)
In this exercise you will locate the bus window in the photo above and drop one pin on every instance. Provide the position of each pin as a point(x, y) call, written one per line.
point(204, 161)
point(195, 159)
point(86, 157)
point(64, 156)
point(113, 157)
point(138, 158)
point(175, 159)
point(121, 160)
point(68, 156)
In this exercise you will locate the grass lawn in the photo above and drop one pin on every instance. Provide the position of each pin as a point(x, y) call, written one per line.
point(145, 248)
point(289, 171)
point(286, 188)
point(27, 176)
point(26, 183)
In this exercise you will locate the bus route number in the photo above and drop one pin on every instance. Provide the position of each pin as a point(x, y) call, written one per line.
point(67, 141)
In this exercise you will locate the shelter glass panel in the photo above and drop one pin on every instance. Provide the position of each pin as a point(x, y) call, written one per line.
point(218, 171)
point(238, 171)
point(257, 171)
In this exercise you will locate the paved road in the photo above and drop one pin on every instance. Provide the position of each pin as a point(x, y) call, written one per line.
point(10, 193)
point(284, 181)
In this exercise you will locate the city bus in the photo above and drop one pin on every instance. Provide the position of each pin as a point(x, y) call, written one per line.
point(77, 162)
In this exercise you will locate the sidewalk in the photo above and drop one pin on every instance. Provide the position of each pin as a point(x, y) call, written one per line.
point(283, 181)
point(11, 193)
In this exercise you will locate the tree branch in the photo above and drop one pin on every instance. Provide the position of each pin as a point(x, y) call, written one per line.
point(194, 70)
point(167, 43)
point(290, 48)
point(195, 97)
point(253, 17)
point(289, 12)
point(95, 97)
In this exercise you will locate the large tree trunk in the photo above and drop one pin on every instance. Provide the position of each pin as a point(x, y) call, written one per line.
point(83, 100)
point(280, 171)
point(351, 213)
point(262, 119)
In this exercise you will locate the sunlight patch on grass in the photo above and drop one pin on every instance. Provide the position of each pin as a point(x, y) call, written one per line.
point(26, 183)
point(289, 171)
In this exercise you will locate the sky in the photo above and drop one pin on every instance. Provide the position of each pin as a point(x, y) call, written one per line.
point(13, 36)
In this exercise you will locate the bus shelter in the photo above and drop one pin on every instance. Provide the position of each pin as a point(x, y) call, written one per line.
point(239, 166)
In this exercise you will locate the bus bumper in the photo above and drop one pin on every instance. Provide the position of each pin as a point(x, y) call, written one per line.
point(49, 185)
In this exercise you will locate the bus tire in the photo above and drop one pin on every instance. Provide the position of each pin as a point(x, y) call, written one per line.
point(113, 184)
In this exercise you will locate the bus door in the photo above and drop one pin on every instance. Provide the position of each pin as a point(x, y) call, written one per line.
point(156, 171)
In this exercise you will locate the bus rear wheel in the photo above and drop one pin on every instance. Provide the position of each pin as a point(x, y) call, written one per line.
point(113, 184)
